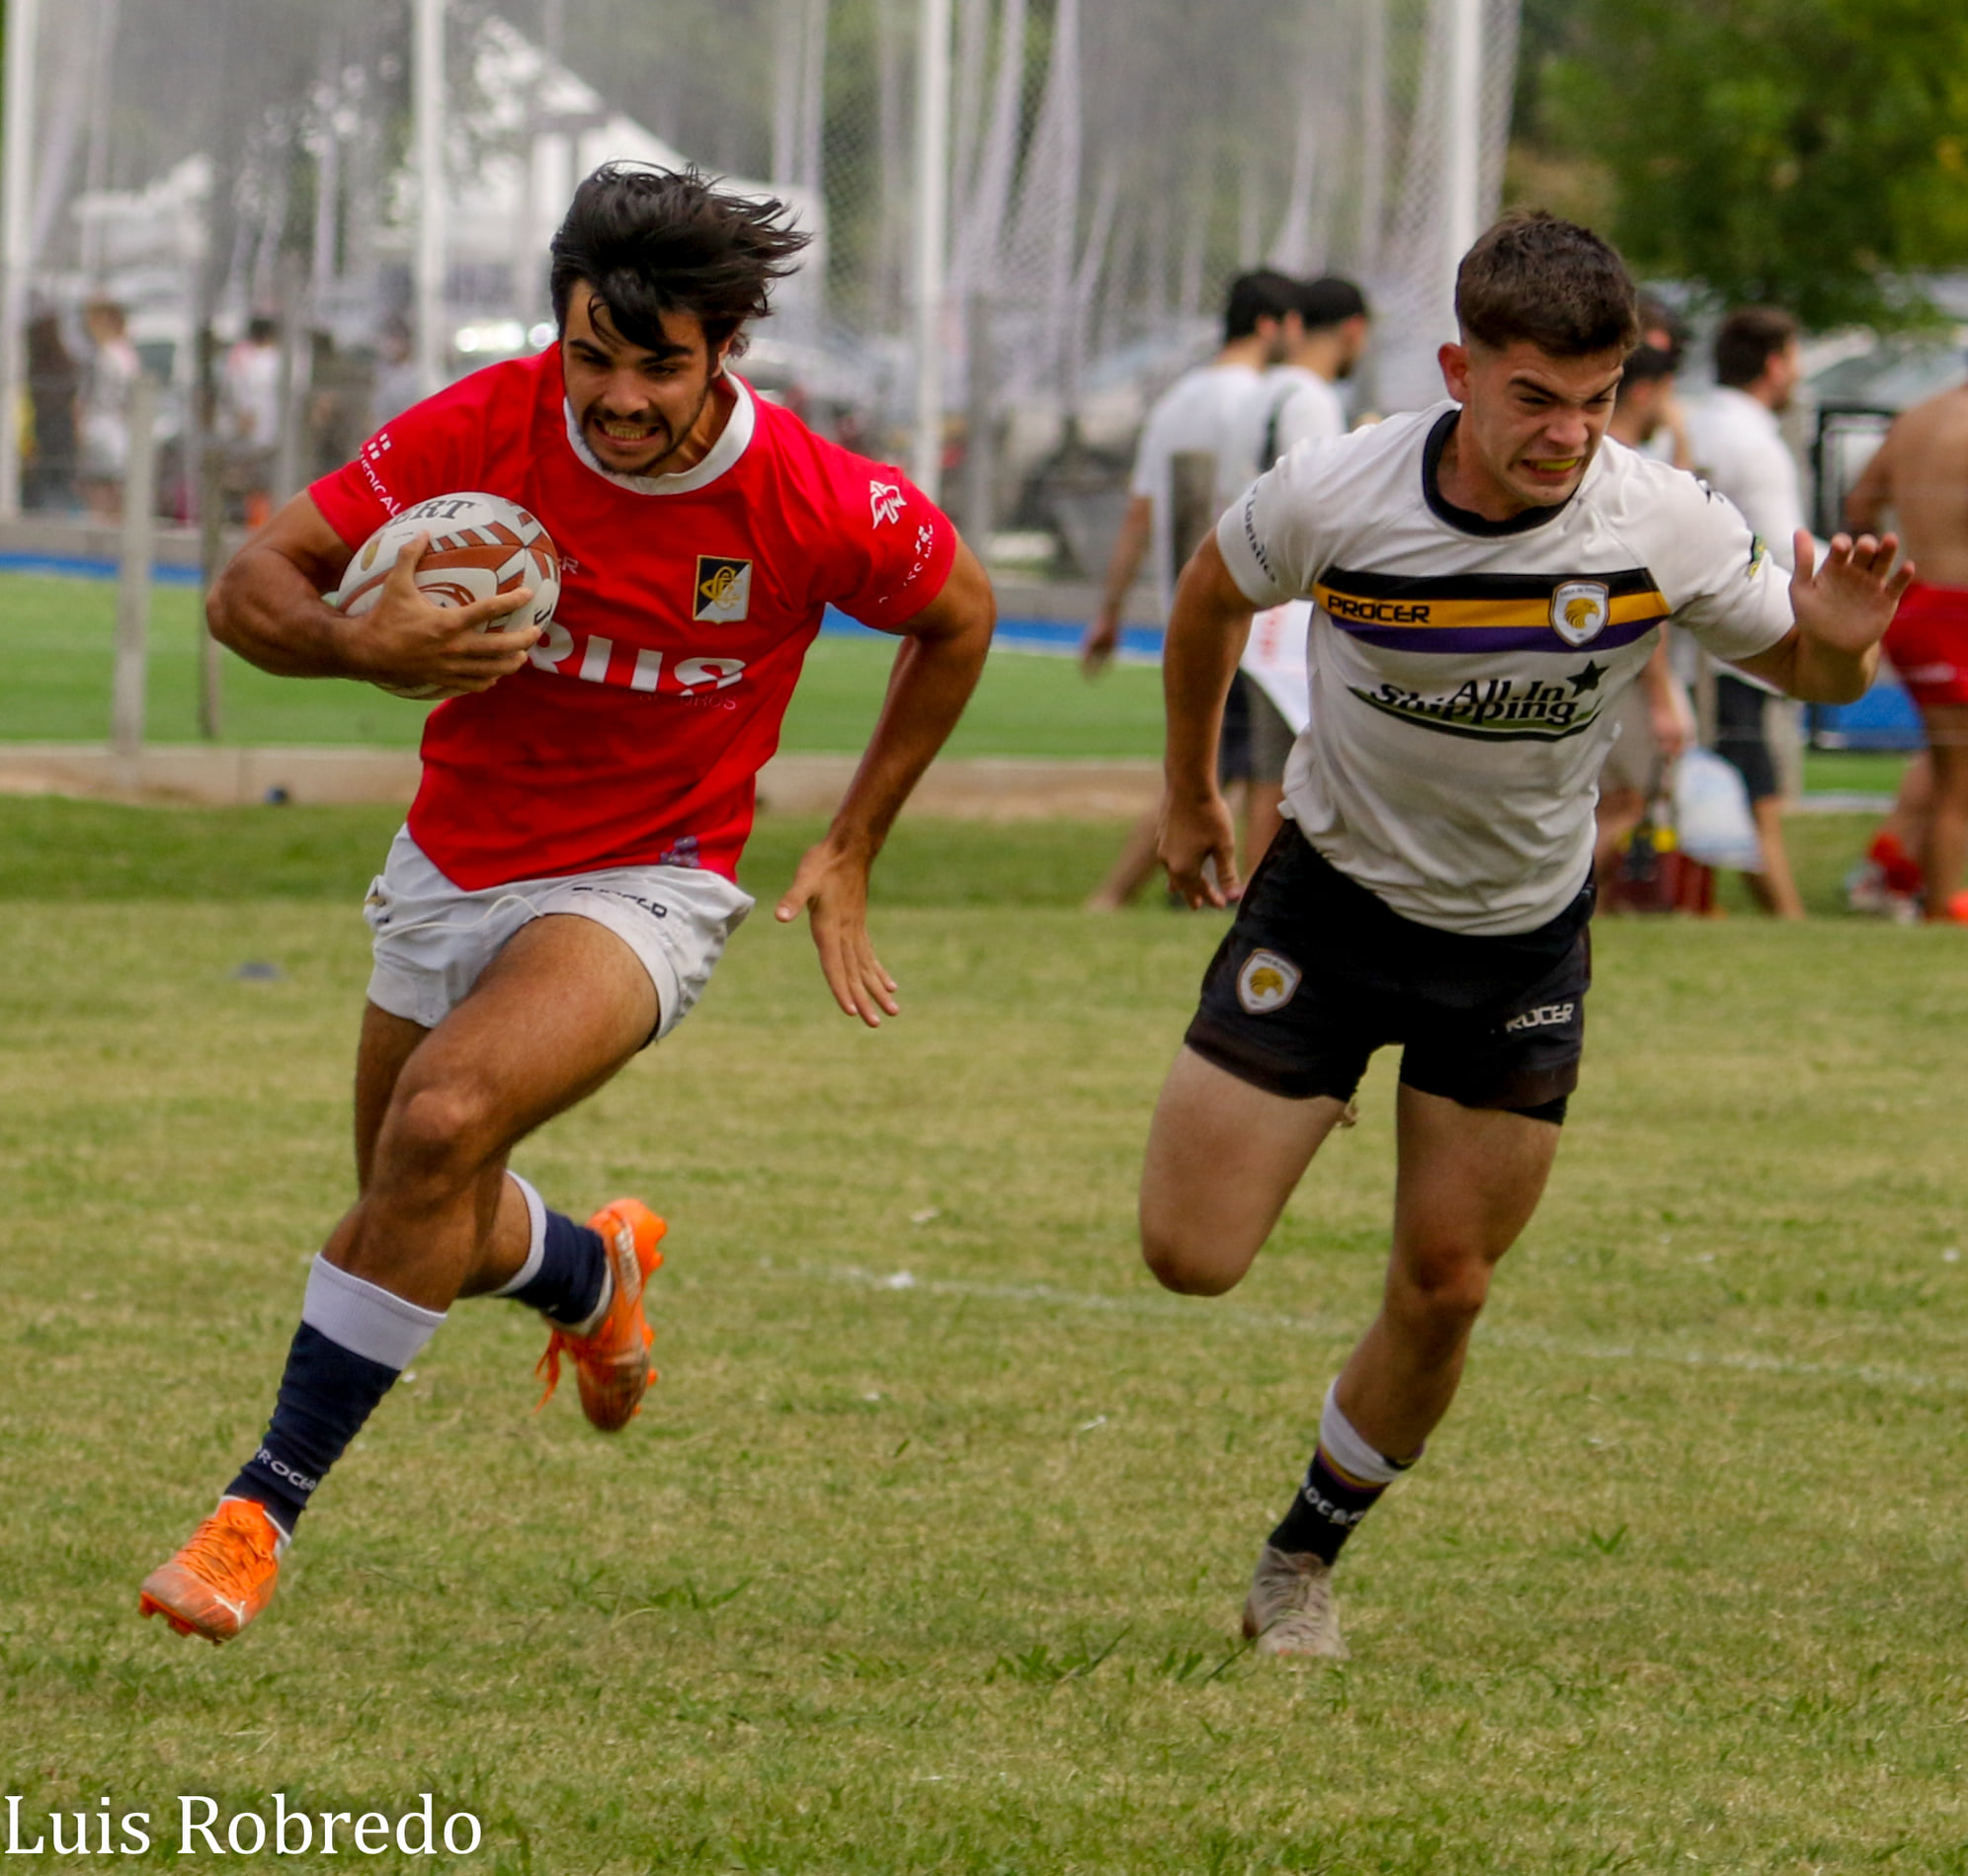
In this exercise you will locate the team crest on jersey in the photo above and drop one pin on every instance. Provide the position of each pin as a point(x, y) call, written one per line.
point(1267, 982)
point(723, 589)
point(1580, 611)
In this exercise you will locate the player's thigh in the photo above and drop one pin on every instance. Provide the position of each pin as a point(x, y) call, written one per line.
point(558, 1013)
point(1223, 1158)
point(388, 1042)
point(1467, 1181)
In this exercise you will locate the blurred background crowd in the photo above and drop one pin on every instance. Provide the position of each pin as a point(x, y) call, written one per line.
point(295, 216)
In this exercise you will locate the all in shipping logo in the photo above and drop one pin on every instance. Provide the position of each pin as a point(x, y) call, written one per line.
point(723, 589)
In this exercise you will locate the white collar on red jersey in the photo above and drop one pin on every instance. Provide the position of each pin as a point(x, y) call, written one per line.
point(724, 451)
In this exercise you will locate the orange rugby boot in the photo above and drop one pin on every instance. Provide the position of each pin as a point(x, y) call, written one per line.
point(611, 1365)
point(222, 1578)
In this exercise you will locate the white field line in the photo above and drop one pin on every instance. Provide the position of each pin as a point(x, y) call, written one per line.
point(1175, 1312)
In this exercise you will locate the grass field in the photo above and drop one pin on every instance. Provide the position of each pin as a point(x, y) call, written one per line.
point(56, 635)
point(927, 1552)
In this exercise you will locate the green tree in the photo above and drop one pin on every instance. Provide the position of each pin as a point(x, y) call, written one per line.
point(1810, 153)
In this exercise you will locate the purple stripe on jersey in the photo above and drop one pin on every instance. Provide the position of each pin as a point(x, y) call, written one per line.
point(1459, 640)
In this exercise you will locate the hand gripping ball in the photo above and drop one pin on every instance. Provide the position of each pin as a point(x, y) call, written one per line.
point(480, 545)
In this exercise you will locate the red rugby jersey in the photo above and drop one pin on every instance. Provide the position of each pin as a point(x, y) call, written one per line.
point(636, 733)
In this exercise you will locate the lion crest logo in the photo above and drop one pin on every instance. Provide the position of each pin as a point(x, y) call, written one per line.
point(1267, 982)
point(1580, 611)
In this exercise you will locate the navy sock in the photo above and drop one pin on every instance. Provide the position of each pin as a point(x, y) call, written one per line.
point(573, 1269)
point(1324, 1514)
point(326, 1394)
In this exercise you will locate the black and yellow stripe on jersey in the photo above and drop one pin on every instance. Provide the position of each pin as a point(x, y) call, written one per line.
point(1462, 612)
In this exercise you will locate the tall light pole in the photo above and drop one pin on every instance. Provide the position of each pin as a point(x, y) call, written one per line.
point(23, 20)
point(1464, 139)
point(426, 86)
point(932, 220)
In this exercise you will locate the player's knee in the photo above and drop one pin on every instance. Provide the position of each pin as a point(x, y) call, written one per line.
point(1183, 1263)
point(438, 1134)
point(1450, 1290)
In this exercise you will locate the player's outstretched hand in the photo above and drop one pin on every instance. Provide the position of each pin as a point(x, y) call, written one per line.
point(1199, 847)
point(407, 641)
point(1847, 601)
point(831, 884)
point(1100, 642)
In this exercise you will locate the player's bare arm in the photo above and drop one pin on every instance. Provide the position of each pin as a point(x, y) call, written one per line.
point(1208, 628)
point(1870, 495)
point(1843, 607)
point(268, 607)
point(1103, 635)
point(936, 670)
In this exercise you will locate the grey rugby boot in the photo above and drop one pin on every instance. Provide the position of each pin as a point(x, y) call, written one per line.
point(1289, 1610)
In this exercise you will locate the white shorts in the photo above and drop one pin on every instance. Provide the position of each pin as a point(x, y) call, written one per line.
point(433, 939)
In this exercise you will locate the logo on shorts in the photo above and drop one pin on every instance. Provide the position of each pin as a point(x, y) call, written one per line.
point(1267, 982)
point(884, 499)
point(723, 589)
point(1581, 610)
point(1545, 1017)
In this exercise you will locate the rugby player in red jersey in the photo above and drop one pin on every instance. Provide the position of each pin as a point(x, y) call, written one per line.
point(566, 878)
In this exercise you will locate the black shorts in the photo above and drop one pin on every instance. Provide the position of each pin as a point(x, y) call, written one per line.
point(1317, 973)
point(1739, 739)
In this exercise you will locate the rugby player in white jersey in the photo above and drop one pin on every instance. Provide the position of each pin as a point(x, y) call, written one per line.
point(1488, 576)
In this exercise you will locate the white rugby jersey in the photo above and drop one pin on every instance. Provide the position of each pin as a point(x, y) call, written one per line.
point(1463, 671)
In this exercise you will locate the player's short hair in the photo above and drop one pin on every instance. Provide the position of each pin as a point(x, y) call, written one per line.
point(1264, 293)
point(1646, 364)
point(1535, 278)
point(1747, 339)
point(656, 241)
point(1330, 301)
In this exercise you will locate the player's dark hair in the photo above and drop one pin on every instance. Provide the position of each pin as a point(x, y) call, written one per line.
point(656, 241)
point(1551, 283)
point(1646, 364)
point(1747, 339)
point(1262, 294)
point(1330, 301)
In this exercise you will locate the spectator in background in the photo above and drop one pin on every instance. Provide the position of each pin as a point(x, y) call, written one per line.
point(1655, 721)
point(1741, 452)
point(47, 480)
point(1921, 472)
point(1195, 414)
point(1297, 400)
point(249, 417)
point(101, 406)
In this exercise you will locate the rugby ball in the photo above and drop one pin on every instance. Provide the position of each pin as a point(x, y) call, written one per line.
point(480, 545)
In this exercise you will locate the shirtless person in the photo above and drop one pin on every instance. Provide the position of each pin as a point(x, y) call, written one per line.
point(1922, 474)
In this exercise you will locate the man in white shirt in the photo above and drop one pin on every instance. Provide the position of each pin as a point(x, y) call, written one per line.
point(1195, 414)
point(1655, 721)
point(1485, 581)
point(1740, 452)
point(1298, 400)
